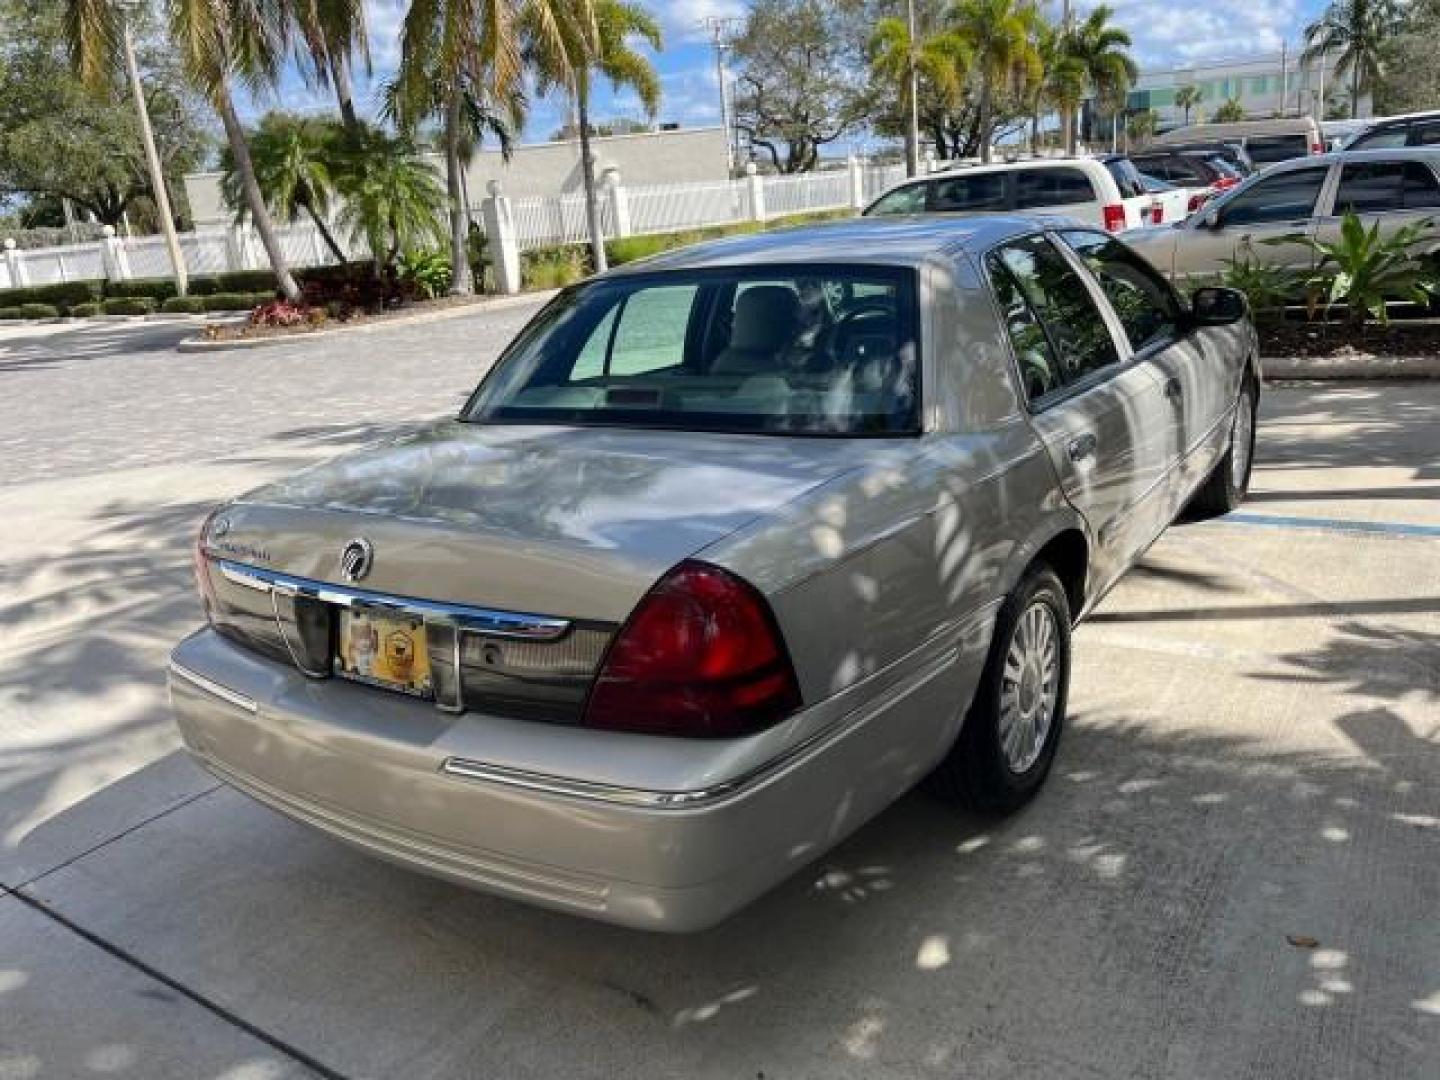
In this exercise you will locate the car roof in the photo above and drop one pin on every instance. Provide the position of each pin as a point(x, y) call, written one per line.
point(887, 240)
point(1398, 153)
point(1403, 120)
point(1012, 166)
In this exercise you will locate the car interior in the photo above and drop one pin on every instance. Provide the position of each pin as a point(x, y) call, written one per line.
point(821, 352)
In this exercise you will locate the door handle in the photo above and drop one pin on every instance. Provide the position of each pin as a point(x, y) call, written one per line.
point(1082, 446)
point(1173, 390)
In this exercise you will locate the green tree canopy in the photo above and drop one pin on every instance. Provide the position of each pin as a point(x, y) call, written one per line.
point(58, 140)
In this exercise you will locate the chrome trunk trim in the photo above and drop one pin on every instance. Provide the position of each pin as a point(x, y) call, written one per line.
point(213, 688)
point(502, 624)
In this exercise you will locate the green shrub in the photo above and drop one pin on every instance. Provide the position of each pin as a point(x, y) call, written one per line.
point(204, 285)
point(157, 289)
point(184, 305)
point(85, 310)
point(234, 301)
point(245, 281)
point(30, 311)
point(554, 267)
point(628, 249)
point(63, 295)
point(128, 305)
point(427, 272)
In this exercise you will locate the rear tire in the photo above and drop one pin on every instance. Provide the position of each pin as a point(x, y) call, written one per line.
point(1008, 742)
point(1229, 482)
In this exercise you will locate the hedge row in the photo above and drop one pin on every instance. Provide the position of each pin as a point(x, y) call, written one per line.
point(31, 310)
point(67, 295)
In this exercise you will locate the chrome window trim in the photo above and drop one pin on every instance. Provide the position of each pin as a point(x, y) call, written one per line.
point(213, 688)
point(503, 624)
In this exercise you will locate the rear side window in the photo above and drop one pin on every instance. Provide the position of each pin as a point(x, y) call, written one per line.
point(983, 191)
point(1052, 187)
point(1061, 304)
point(1266, 150)
point(1290, 196)
point(1378, 186)
point(1126, 176)
point(906, 200)
point(1145, 303)
point(1425, 135)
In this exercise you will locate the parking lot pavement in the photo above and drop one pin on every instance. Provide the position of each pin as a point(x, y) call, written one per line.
point(1233, 871)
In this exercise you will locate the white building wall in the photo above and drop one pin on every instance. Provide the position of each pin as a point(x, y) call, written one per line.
point(1256, 82)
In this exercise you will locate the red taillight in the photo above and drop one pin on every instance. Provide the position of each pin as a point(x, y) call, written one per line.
point(1316, 148)
point(1157, 214)
point(1114, 217)
point(1225, 183)
point(1196, 201)
point(701, 656)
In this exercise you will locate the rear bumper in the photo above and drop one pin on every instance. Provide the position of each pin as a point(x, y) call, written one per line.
point(404, 781)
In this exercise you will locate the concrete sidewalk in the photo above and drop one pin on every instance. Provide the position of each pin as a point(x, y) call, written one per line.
point(1253, 757)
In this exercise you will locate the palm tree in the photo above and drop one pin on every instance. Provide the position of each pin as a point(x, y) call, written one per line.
point(1102, 53)
point(1358, 30)
point(941, 59)
point(218, 41)
point(331, 31)
point(294, 158)
point(999, 35)
point(1229, 112)
point(602, 46)
point(389, 194)
point(454, 48)
point(1187, 97)
point(1139, 128)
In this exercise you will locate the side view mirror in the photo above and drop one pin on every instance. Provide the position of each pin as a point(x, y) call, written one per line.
point(1215, 305)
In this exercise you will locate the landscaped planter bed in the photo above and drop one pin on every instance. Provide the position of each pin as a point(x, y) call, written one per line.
point(1323, 340)
point(239, 331)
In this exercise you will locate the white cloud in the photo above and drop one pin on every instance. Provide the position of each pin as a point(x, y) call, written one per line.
point(1167, 33)
point(684, 20)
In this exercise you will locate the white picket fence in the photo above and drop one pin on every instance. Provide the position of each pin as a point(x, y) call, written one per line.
point(531, 222)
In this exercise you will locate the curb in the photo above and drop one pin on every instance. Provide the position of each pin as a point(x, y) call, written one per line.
point(1352, 368)
point(194, 345)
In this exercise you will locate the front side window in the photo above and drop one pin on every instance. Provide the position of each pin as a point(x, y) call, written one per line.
point(1290, 196)
point(1062, 304)
point(1384, 139)
point(1052, 187)
point(1374, 187)
point(1145, 303)
point(983, 191)
point(813, 350)
point(1424, 135)
point(906, 200)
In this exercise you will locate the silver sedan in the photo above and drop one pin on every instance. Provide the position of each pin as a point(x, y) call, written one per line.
point(729, 550)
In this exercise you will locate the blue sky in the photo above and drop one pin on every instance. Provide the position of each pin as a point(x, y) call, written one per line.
point(1164, 32)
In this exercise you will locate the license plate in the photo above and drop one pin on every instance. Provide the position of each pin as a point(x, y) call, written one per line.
point(384, 650)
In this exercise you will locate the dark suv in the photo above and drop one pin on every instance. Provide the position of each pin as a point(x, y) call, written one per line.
point(1189, 168)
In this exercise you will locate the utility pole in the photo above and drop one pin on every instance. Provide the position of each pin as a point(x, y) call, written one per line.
point(1284, 76)
point(152, 156)
point(720, 27)
point(912, 122)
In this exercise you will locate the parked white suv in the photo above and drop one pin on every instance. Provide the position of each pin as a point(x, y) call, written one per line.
point(1104, 191)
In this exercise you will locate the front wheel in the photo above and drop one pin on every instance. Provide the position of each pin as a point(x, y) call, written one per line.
point(1228, 484)
point(1008, 742)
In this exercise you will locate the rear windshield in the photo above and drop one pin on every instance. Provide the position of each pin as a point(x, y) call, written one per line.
point(812, 350)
